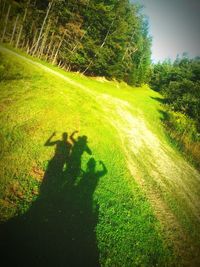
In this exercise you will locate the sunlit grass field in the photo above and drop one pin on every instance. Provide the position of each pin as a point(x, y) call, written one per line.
point(89, 209)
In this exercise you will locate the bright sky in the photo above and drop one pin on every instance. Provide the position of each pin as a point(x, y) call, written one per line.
point(174, 26)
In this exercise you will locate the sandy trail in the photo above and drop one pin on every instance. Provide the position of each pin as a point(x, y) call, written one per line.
point(160, 172)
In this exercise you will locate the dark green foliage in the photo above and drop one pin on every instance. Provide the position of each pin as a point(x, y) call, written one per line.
point(179, 82)
point(96, 37)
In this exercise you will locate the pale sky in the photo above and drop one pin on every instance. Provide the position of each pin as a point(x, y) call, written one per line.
point(174, 26)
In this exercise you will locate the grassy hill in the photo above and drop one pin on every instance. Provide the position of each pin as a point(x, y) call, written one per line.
point(88, 175)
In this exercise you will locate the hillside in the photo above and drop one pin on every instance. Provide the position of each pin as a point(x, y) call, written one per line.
point(118, 194)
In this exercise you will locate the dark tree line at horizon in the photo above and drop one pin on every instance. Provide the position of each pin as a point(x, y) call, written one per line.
point(96, 37)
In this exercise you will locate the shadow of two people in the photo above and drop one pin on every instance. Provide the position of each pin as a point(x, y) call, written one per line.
point(59, 227)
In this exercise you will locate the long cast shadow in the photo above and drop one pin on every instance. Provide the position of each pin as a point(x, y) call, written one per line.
point(59, 228)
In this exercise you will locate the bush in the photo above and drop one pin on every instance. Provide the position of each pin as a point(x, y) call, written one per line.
point(184, 131)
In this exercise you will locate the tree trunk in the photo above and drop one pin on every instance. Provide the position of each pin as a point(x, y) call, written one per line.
point(6, 22)
point(89, 65)
point(74, 49)
point(50, 44)
point(28, 41)
point(52, 54)
point(14, 29)
point(23, 43)
point(21, 27)
point(59, 46)
point(44, 40)
point(3, 6)
point(43, 24)
point(126, 51)
point(34, 41)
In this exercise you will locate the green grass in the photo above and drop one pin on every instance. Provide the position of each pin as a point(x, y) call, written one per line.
point(88, 217)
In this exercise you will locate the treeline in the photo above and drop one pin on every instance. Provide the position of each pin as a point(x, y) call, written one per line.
point(96, 37)
point(179, 82)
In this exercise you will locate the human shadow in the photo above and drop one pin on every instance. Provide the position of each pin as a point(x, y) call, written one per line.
point(59, 227)
point(79, 147)
point(53, 175)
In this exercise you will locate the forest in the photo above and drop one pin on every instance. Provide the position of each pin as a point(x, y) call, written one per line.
point(94, 37)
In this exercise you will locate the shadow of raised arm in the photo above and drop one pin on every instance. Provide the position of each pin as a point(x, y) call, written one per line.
point(49, 142)
point(72, 136)
point(104, 169)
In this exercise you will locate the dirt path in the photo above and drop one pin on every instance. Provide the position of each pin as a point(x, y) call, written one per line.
point(163, 175)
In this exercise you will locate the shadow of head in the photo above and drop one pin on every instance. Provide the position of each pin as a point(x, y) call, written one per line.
point(91, 164)
point(64, 137)
point(82, 139)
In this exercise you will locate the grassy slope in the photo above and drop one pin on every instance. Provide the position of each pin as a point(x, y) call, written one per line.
point(124, 131)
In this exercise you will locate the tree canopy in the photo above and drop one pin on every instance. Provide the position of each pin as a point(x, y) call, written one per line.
point(96, 37)
point(179, 82)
